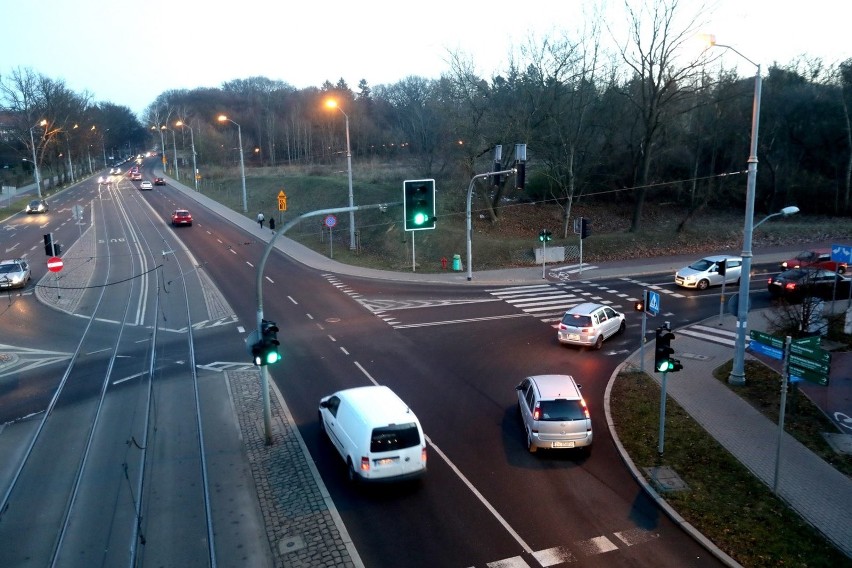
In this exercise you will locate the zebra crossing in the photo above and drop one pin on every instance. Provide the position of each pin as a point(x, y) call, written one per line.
point(709, 333)
point(549, 302)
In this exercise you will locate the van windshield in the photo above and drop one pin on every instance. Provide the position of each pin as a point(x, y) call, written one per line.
point(562, 409)
point(394, 437)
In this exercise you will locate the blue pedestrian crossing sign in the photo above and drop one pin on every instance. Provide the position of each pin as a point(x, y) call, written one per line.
point(652, 302)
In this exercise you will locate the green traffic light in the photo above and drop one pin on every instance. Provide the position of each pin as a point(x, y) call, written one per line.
point(272, 357)
point(420, 218)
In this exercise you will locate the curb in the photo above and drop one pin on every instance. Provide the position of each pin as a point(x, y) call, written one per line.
point(652, 493)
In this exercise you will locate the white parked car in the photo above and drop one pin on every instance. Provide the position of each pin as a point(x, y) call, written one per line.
point(705, 273)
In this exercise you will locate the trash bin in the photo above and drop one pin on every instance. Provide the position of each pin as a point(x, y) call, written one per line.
point(457, 262)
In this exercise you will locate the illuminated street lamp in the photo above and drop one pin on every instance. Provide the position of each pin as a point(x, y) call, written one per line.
point(331, 103)
point(192, 142)
point(223, 118)
point(43, 123)
point(737, 376)
point(162, 143)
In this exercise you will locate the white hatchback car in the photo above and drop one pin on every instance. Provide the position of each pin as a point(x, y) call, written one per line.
point(590, 324)
point(705, 273)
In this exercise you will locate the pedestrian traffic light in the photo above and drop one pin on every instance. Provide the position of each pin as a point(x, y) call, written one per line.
point(639, 306)
point(544, 235)
point(722, 267)
point(663, 350)
point(585, 228)
point(418, 204)
point(265, 350)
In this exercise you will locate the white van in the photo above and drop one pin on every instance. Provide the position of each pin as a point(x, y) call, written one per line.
point(377, 435)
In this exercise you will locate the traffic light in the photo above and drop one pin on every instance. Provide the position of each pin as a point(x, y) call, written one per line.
point(585, 228)
point(51, 247)
point(520, 175)
point(663, 350)
point(418, 204)
point(265, 351)
point(544, 235)
point(639, 306)
point(722, 267)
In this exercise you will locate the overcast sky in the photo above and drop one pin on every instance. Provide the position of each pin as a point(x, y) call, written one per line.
point(128, 53)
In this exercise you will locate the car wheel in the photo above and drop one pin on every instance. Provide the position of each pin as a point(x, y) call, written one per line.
point(530, 444)
point(599, 342)
point(703, 284)
point(351, 474)
point(622, 327)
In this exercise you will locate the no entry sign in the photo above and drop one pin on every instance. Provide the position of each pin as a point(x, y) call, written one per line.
point(54, 264)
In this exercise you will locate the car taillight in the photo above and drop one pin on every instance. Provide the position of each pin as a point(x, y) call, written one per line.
point(423, 455)
point(365, 463)
point(562, 326)
point(585, 408)
point(790, 285)
point(537, 413)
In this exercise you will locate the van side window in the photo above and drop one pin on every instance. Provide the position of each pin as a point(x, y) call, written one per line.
point(333, 405)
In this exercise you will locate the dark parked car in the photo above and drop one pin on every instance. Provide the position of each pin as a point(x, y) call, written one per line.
point(818, 258)
point(799, 283)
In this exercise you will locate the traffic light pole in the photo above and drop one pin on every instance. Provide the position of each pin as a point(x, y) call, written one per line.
point(469, 227)
point(662, 435)
point(264, 373)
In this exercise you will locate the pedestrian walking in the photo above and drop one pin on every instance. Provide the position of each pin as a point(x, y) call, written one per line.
point(272, 223)
point(260, 219)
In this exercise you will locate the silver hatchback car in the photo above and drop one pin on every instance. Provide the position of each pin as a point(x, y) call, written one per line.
point(589, 324)
point(554, 413)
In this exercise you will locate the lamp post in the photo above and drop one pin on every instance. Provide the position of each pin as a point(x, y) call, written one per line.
point(737, 376)
point(174, 149)
point(331, 103)
point(223, 118)
point(37, 174)
point(192, 143)
point(71, 163)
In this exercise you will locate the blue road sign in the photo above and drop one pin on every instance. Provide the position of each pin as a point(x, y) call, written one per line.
point(767, 350)
point(841, 253)
point(653, 302)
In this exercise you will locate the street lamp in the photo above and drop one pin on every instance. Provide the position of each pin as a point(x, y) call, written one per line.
point(737, 376)
point(174, 149)
point(331, 103)
point(43, 123)
point(70, 163)
point(192, 142)
point(223, 118)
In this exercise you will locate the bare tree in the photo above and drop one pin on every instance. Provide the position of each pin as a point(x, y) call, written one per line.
point(659, 82)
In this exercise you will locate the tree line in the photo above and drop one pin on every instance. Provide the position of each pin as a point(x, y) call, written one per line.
point(651, 121)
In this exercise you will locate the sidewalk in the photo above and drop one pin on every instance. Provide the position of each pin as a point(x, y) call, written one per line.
point(810, 486)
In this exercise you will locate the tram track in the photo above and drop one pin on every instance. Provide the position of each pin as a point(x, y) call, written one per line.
point(115, 473)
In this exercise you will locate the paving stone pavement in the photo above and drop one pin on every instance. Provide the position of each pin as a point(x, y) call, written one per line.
point(303, 528)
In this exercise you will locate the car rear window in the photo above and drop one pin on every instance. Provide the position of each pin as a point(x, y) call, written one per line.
point(561, 409)
point(395, 437)
point(577, 320)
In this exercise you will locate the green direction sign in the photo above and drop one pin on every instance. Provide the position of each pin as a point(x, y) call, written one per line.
point(810, 376)
point(766, 339)
point(812, 353)
point(812, 341)
point(809, 364)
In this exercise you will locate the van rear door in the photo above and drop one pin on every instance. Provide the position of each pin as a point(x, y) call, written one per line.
point(396, 450)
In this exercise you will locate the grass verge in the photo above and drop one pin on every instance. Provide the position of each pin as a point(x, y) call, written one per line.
point(725, 502)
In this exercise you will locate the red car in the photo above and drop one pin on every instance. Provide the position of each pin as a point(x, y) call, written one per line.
point(817, 258)
point(181, 217)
